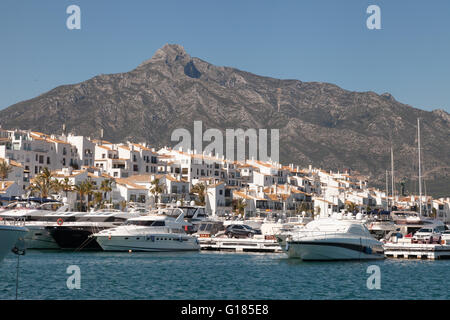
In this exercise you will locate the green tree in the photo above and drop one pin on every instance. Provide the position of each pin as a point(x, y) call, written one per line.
point(85, 188)
point(351, 206)
point(98, 199)
point(433, 213)
point(5, 170)
point(156, 189)
point(44, 184)
point(106, 187)
point(66, 185)
point(239, 206)
point(199, 190)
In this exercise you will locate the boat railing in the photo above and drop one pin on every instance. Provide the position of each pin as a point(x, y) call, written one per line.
point(13, 221)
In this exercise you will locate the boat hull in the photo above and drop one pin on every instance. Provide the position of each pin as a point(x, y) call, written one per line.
point(9, 235)
point(38, 237)
point(332, 250)
point(74, 237)
point(153, 243)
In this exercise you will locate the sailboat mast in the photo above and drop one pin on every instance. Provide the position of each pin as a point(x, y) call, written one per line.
point(420, 169)
point(392, 176)
point(387, 191)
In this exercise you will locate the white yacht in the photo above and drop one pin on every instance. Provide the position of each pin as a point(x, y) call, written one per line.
point(74, 231)
point(36, 219)
point(380, 229)
point(193, 214)
point(408, 222)
point(151, 233)
point(9, 235)
point(333, 239)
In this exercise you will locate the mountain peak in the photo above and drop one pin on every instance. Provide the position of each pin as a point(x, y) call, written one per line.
point(170, 53)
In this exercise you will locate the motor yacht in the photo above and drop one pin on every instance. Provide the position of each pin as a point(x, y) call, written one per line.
point(287, 227)
point(380, 229)
point(332, 239)
point(76, 233)
point(193, 214)
point(9, 236)
point(152, 233)
point(409, 222)
point(36, 219)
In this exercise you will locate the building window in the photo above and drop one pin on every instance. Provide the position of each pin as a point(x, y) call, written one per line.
point(48, 160)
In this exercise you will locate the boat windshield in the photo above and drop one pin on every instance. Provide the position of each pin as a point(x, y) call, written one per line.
point(147, 223)
point(206, 227)
point(425, 230)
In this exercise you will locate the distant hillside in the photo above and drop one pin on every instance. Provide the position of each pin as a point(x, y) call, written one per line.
point(320, 123)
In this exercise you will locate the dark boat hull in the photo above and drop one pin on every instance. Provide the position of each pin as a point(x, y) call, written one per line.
point(74, 237)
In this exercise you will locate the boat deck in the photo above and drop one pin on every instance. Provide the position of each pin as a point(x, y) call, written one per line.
point(239, 245)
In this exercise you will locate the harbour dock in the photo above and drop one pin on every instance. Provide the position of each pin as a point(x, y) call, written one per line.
point(408, 250)
point(257, 244)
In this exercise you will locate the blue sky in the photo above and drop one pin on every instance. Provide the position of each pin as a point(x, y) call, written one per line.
point(319, 40)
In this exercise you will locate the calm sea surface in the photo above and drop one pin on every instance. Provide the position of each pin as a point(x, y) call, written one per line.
point(207, 275)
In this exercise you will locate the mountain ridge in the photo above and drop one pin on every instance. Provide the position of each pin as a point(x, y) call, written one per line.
point(320, 123)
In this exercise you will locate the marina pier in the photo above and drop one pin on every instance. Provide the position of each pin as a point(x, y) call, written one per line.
point(417, 251)
point(240, 245)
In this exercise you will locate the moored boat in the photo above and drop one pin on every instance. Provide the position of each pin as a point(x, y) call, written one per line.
point(9, 236)
point(333, 239)
point(152, 233)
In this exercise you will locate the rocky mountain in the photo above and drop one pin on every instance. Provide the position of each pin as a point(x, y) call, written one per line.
point(320, 123)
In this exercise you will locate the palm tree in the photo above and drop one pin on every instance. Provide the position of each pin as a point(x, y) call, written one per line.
point(44, 184)
point(84, 188)
point(156, 189)
point(199, 190)
point(303, 207)
point(81, 190)
point(98, 199)
point(66, 185)
point(90, 189)
point(106, 187)
point(239, 206)
point(123, 204)
point(56, 186)
point(351, 206)
point(5, 170)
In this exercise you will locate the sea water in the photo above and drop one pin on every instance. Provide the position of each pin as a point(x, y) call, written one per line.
point(214, 275)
